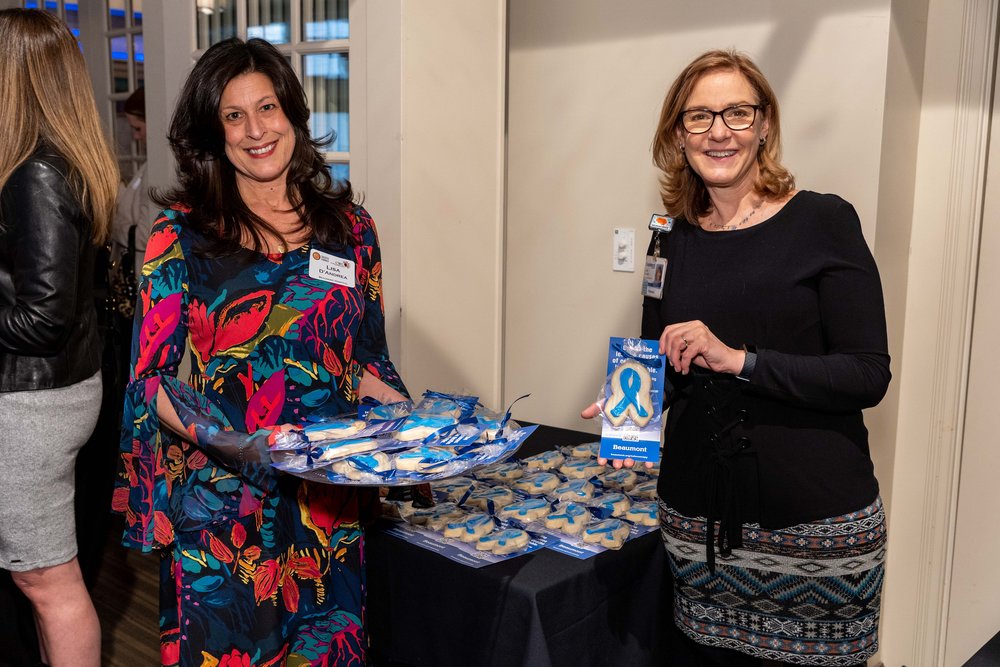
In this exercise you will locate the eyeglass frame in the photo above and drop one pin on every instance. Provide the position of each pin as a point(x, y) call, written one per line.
point(756, 108)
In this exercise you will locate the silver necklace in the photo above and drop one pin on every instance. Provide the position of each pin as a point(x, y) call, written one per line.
point(729, 228)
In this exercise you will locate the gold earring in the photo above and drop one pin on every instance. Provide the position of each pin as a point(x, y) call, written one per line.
point(763, 140)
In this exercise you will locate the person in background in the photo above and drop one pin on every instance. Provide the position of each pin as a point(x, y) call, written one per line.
point(135, 209)
point(773, 324)
point(58, 179)
point(272, 275)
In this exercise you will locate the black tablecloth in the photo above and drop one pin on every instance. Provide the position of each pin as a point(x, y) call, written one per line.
point(540, 609)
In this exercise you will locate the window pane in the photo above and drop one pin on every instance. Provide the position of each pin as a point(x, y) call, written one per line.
point(324, 19)
point(139, 56)
point(216, 21)
point(137, 13)
point(325, 80)
point(123, 131)
point(119, 64)
point(340, 171)
point(116, 14)
point(73, 18)
point(270, 20)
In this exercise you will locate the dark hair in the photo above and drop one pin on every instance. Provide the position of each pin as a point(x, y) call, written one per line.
point(135, 105)
point(682, 191)
point(207, 179)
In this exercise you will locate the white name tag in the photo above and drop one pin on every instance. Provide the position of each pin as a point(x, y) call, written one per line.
point(331, 268)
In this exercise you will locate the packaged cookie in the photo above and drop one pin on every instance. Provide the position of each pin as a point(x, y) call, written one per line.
point(587, 450)
point(501, 472)
point(644, 514)
point(611, 504)
point(574, 489)
point(569, 518)
point(374, 467)
point(632, 400)
point(455, 488)
point(422, 459)
point(645, 490)
point(622, 479)
point(504, 542)
point(490, 498)
point(470, 527)
point(527, 510)
point(547, 460)
point(609, 533)
point(581, 468)
point(538, 483)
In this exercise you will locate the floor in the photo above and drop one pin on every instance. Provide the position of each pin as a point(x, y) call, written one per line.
point(988, 656)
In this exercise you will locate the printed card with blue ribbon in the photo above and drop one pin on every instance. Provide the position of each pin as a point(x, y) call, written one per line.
point(632, 409)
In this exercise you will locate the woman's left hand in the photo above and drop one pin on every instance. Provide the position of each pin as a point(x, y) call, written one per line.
point(369, 385)
point(687, 343)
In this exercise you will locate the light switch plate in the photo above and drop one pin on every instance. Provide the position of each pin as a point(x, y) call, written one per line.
point(623, 249)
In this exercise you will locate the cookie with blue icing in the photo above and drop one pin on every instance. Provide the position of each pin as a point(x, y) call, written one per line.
point(418, 427)
point(645, 490)
point(363, 466)
point(575, 489)
point(631, 395)
point(610, 533)
point(585, 451)
point(526, 510)
point(423, 459)
point(504, 542)
point(581, 468)
point(503, 471)
point(644, 514)
point(570, 518)
point(614, 503)
point(333, 429)
point(455, 487)
point(470, 528)
point(436, 517)
point(545, 461)
point(538, 483)
point(499, 496)
point(622, 479)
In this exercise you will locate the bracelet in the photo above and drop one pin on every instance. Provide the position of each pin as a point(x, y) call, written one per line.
point(749, 363)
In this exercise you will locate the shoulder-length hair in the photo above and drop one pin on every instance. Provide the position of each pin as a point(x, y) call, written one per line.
point(45, 97)
point(206, 177)
point(683, 192)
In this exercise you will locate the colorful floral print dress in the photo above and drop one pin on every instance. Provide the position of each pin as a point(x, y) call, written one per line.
point(258, 568)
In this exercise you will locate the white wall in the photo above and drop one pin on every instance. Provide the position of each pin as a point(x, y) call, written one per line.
point(586, 82)
point(452, 184)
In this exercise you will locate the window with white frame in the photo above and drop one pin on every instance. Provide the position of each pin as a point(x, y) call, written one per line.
point(315, 36)
point(126, 55)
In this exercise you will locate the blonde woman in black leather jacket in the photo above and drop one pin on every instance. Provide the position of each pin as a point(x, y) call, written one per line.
point(58, 181)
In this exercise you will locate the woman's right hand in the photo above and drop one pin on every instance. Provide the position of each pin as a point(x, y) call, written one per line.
point(594, 410)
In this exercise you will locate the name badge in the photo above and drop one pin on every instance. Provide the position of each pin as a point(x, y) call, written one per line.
point(331, 268)
point(653, 276)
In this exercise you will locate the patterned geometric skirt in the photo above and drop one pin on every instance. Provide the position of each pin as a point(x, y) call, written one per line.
point(807, 594)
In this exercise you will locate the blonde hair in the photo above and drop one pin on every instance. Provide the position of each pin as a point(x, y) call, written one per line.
point(681, 189)
point(45, 96)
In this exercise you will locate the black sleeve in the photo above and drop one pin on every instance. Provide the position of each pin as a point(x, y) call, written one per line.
point(43, 220)
point(854, 371)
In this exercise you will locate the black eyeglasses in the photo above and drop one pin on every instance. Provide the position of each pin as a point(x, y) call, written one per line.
point(739, 117)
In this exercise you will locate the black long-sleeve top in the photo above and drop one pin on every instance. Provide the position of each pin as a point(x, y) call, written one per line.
point(790, 445)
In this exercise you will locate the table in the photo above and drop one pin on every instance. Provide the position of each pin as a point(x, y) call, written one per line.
point(541, 609)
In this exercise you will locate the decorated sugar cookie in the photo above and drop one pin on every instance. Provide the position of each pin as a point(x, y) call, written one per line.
point(538, 483)
point(569, 518)
point(334, 429)
point(586, 450)
point(610, 533)
point(581, 468)
point(614, 503)
point(622, 479)
point(631, 395)
point(497, 495)
point(646, 490)
point(436, 517)
point(504, 542)
point(361, 465)
point(470, 528)
point(644, 514)
point(505, 471)
point(423, 459)
point(526, 510)
point(575, 489)
point(545, 461)
point(454, 488)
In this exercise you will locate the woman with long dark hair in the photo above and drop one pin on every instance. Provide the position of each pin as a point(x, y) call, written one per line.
point(272, 276)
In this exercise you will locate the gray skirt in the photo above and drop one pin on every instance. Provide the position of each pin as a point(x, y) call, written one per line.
point(41, 433)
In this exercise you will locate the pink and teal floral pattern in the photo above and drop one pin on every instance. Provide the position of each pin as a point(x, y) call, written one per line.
point(259, 568)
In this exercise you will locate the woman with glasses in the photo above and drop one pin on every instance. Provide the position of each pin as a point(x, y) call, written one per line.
point(773, 324)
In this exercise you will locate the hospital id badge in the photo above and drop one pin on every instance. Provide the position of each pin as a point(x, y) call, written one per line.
point(332, 269)
point(653, 276)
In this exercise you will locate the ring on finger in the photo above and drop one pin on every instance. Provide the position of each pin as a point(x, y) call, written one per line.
point(685, 341)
